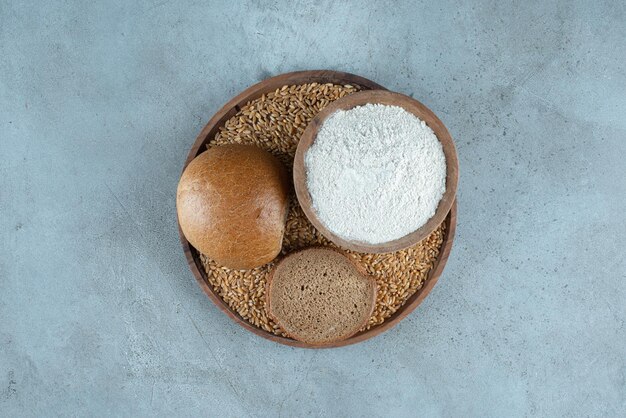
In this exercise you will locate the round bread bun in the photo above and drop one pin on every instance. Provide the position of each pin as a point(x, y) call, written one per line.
point(232, 203)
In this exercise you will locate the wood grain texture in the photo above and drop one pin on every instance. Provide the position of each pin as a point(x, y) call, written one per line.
point(387, 98)
point(208, 133)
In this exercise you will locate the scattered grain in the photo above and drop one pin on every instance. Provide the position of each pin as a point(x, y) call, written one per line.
point(275, 122)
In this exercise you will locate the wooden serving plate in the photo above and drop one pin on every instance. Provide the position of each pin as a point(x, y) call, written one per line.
point(384, 97)
point(208, 133)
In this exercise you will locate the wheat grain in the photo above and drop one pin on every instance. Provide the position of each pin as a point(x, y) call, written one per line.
point(275, 121)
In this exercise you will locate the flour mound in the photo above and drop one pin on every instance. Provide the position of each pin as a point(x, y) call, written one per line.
point(375, 173)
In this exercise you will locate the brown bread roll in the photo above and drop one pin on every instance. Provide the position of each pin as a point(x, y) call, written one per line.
point(232, 203)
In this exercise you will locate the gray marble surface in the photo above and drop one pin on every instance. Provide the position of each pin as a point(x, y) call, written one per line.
point(99, 104)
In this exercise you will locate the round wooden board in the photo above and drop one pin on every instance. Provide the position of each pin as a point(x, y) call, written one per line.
point(208, 133)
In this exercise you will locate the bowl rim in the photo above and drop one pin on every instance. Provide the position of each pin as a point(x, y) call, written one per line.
point(193, 256)
point(414, 107)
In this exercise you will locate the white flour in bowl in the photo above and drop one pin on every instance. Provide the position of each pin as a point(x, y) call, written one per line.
point(375, 173)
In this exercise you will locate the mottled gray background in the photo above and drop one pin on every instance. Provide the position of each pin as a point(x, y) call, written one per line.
point(100, 102)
